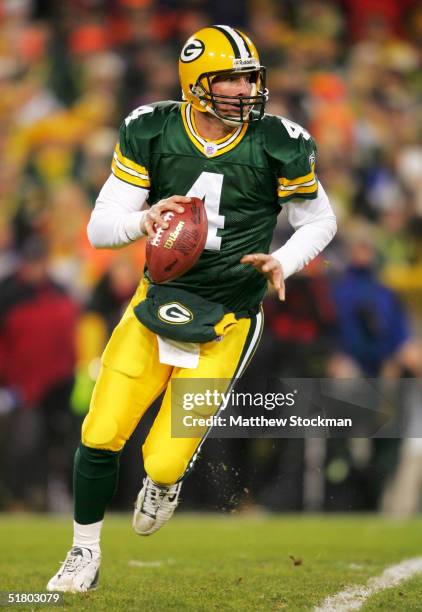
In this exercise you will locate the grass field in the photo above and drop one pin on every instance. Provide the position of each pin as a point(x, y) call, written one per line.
point(201, 563)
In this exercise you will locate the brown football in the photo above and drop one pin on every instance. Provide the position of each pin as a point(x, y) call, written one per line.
point(173, 251)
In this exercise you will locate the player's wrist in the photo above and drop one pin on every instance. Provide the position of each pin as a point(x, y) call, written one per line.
point(287, 265)
point(142, 228)
point(134, 224)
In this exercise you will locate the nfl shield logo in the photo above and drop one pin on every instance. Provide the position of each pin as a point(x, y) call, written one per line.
point(210, 148)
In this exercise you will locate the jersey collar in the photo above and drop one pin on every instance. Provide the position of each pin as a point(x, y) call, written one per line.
point(210, 148)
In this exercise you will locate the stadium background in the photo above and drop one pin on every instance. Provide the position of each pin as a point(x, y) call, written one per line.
point(350, 72)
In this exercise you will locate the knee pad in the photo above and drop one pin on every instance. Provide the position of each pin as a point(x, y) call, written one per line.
point(164, 469)
point(101, 432)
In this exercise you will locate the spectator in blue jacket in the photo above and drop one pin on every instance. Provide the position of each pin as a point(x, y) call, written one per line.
point(372, 325)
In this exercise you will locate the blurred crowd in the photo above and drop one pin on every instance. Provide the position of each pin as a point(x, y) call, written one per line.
point(350, 71)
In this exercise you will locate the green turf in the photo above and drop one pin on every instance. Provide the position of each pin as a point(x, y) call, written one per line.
point(407, 596)
point(219, 563)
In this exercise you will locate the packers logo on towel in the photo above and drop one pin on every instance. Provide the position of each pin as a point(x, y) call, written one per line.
point(175, 313)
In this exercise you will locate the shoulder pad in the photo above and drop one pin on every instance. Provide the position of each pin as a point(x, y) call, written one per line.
point(292, 153)
point(132, 155)
point(131, 159)
point(148, 120)
point(285, 140)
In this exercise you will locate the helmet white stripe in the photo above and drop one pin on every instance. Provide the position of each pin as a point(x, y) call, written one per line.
point(240, 43)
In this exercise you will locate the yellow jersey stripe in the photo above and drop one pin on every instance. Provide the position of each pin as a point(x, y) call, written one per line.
point(191, 135)
point(299, 179)
point(282, 193)
point(129, 163)
point(220, 143)
point(217, 142)
point(129, 178)
point(124, 168)
point(200, 142)
point(235, 142)
point(295, 187)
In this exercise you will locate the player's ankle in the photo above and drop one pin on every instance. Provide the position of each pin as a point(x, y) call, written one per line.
point(87, 536)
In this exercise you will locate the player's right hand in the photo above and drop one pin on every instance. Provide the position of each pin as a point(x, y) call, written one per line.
point(270, 267)
point(153, 219)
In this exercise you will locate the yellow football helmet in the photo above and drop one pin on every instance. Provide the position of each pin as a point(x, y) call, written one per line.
point(216, 51)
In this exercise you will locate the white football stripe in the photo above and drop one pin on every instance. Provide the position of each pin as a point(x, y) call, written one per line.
point(353, 597)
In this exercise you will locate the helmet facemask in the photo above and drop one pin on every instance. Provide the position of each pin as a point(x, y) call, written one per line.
point(214, 103)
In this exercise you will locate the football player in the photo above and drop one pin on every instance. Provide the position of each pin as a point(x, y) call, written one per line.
point(218, 145)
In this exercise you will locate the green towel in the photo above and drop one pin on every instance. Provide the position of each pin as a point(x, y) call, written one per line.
point(179, 315)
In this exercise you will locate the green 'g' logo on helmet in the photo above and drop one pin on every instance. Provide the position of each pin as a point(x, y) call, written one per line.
point(192, 50)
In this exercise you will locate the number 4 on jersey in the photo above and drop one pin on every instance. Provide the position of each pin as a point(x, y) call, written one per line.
point(208, 188)
point(141, 110)
point(294, 129)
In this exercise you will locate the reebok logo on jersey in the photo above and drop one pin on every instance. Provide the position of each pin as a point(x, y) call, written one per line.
point(175, 313)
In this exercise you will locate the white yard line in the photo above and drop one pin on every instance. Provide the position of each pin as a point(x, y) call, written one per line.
point(354, 597)
point(135, 563)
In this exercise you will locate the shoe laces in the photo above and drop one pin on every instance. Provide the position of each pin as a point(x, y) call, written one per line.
point(74, 561)
point(156, 497)
point(152, 497)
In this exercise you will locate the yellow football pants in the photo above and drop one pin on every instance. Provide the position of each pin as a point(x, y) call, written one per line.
point(132, 377)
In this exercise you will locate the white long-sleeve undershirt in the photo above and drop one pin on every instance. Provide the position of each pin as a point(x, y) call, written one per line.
point(315, 225)
point(116, 218)
point(120, 207)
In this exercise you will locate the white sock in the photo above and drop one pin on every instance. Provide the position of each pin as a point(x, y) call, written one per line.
point(87, 536)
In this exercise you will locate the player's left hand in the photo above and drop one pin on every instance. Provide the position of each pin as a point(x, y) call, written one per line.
point(270, 268)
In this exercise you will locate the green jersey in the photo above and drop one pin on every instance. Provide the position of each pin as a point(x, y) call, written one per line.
point(243, 178)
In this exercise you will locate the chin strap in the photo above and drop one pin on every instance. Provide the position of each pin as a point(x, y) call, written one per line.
point(229, 122)
point(198, 91)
